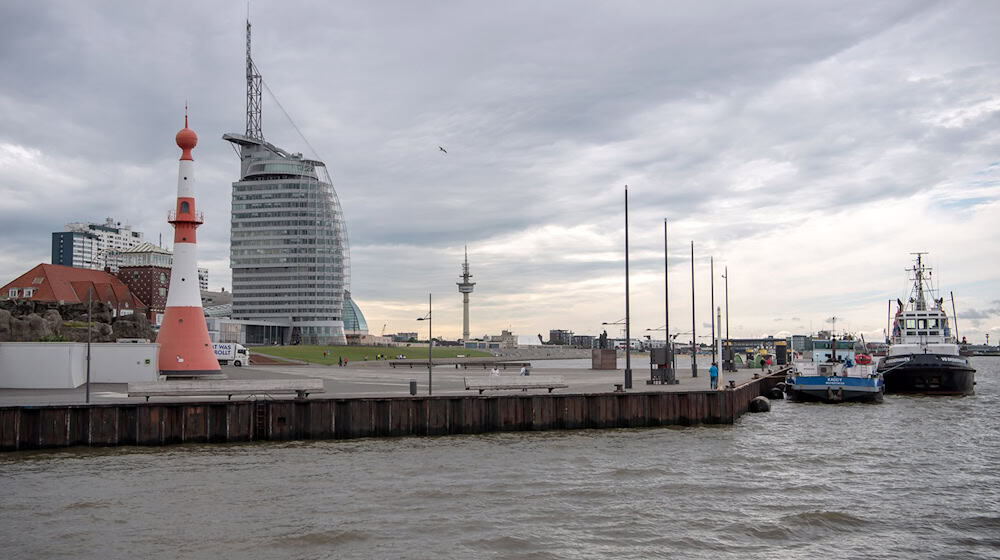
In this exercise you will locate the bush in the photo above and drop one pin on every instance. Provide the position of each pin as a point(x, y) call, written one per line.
point(52, 338)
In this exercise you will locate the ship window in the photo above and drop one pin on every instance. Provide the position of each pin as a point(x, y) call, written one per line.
point(932, 323)
point(935, 333)
point(911, 333)
point(921, 323)
point(911, 323)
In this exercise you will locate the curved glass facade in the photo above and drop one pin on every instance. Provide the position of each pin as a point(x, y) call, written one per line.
point(354, 320)
point(288, 247)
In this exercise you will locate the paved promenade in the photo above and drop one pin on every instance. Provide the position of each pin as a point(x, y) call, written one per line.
point(378, 379)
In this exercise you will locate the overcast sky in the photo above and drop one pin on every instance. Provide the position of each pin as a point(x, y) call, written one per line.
point(808, 146)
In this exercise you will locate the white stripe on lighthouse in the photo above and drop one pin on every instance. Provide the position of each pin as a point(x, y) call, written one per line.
point(184, 291)
point(185, 179)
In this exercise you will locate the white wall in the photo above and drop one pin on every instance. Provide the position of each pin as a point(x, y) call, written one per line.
point(63, 365)
point(42, 365)
point(112, 362)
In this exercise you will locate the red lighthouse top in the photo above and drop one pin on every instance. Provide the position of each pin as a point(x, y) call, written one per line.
point(186, 139)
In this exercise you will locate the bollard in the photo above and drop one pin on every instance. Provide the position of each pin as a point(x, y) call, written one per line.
point(413, 387)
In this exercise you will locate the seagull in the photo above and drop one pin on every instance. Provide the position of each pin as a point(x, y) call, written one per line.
point(442, 149)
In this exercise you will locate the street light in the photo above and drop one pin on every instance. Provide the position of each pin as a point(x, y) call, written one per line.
point(628, 336)
point(430, 345)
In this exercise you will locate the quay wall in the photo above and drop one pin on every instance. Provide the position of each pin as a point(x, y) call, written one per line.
point(151, 424)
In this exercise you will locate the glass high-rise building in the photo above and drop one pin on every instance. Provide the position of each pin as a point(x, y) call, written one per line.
point(288, 247)
point(288, 244)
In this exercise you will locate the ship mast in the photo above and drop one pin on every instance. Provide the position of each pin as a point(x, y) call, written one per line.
point(918, 299)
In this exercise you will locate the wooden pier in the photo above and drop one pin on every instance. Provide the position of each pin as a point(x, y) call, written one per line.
point(151, 424)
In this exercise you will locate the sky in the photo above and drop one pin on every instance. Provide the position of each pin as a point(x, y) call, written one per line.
point(807, 148)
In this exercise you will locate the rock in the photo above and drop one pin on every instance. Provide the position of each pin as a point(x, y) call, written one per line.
point(54, 321)
point(760, 404)
point(133, 326)
point(5, 325)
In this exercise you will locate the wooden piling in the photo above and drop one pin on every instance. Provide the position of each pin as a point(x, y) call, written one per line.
point(152, 424)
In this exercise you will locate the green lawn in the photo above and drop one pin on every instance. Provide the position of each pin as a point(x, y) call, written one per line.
point(314, 354)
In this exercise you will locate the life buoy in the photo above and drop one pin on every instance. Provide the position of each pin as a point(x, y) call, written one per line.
point(863, 359)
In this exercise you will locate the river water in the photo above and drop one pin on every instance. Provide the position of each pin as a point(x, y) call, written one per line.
point(914, 477)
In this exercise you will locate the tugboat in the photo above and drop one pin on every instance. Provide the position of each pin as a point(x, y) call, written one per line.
point(923, 356)
point(835, 376)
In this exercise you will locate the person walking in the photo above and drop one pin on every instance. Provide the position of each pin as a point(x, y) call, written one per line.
point(524, 370)
point(713, 376)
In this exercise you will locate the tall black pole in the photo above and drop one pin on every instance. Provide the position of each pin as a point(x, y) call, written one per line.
point(711, 310)
point(628, 332)
point(694, 338)
point(430, 347)
point(666, 303)
point(725, 275)
point(90, 313)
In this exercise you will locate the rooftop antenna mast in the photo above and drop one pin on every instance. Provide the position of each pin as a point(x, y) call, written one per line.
point(253, 92)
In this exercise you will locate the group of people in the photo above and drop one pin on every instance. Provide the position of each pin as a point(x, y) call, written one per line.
point(496, 371)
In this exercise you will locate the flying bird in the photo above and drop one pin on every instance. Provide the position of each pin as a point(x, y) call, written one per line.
point(442, 149)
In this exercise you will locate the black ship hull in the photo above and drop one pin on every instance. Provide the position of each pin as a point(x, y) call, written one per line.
point(928, 374)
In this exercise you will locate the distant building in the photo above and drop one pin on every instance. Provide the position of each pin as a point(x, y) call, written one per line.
point(560, 337)
point(801, 343)
point(583, 341)
point(404, 337)
point(504, 340)
point(203, 279)
point(145, 269)
point(93, 246)
point(210, 298)
point(65, 284)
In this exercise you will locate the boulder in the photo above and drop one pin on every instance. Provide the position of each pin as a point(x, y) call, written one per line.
point(5, 325)
point(133, 326)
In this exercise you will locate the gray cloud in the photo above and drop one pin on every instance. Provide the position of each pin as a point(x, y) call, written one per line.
point(746, 124)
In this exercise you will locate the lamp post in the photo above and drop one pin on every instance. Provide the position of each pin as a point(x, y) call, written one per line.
point(711, 310)
point(666, 300)
point(90, 313)
point(725, 276)
point(694, 343)
point(430, 346)
point(628, 337)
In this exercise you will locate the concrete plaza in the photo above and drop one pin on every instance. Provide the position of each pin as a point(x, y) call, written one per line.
point(379, 379)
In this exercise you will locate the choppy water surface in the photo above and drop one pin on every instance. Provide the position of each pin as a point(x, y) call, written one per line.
point(914, 477)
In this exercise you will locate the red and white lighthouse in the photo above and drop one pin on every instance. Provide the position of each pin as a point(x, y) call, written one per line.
point(185, 348)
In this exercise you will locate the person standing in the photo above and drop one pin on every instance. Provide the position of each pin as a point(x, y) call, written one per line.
point(524, 370)
point(713, 376)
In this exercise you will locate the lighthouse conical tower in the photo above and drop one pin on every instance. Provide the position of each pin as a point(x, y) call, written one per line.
point(185, 348)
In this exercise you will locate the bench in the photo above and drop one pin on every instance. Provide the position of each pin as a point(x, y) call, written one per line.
point(300, 387)
point(523, 382)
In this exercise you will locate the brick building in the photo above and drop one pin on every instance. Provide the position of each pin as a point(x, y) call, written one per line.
point(145, 269)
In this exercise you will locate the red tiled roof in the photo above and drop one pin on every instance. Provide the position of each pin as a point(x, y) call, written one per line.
point(67, 284)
